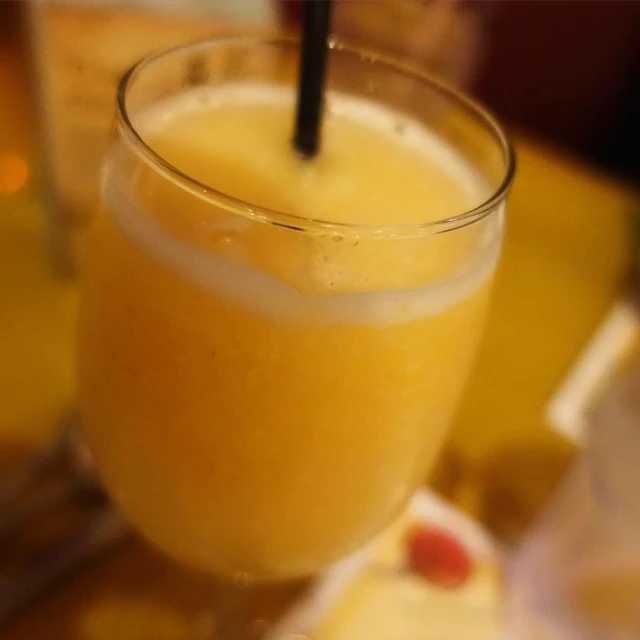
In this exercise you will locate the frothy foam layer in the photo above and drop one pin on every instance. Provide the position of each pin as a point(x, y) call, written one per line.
point(402, 128)
point(265, 293)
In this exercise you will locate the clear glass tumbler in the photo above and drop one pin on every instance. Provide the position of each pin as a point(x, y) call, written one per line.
point(264, 388)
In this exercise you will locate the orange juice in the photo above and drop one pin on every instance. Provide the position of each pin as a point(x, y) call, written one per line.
point(263, 396)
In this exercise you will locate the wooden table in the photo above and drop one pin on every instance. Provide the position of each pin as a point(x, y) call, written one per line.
point(567, 252)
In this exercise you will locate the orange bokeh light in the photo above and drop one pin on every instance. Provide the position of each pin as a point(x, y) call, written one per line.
point(14, 172)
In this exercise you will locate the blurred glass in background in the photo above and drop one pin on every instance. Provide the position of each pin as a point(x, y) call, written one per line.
point(80, 50)
point(577, 573)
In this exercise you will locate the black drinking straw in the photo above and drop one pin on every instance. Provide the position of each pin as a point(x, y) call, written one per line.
point(317, 17)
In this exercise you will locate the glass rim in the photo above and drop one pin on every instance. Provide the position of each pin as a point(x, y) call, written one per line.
point(299, 222)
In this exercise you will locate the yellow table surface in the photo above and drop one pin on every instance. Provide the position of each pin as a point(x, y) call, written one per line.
point(567, 257)
point(566, 254)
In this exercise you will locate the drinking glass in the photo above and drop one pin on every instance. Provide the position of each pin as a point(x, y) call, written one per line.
point(576, 575)
point(262, 390)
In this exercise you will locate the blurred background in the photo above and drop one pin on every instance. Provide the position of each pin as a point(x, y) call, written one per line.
point(567, 71)
point(563, 75)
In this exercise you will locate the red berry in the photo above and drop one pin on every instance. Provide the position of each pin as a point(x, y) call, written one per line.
point(438, 557)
